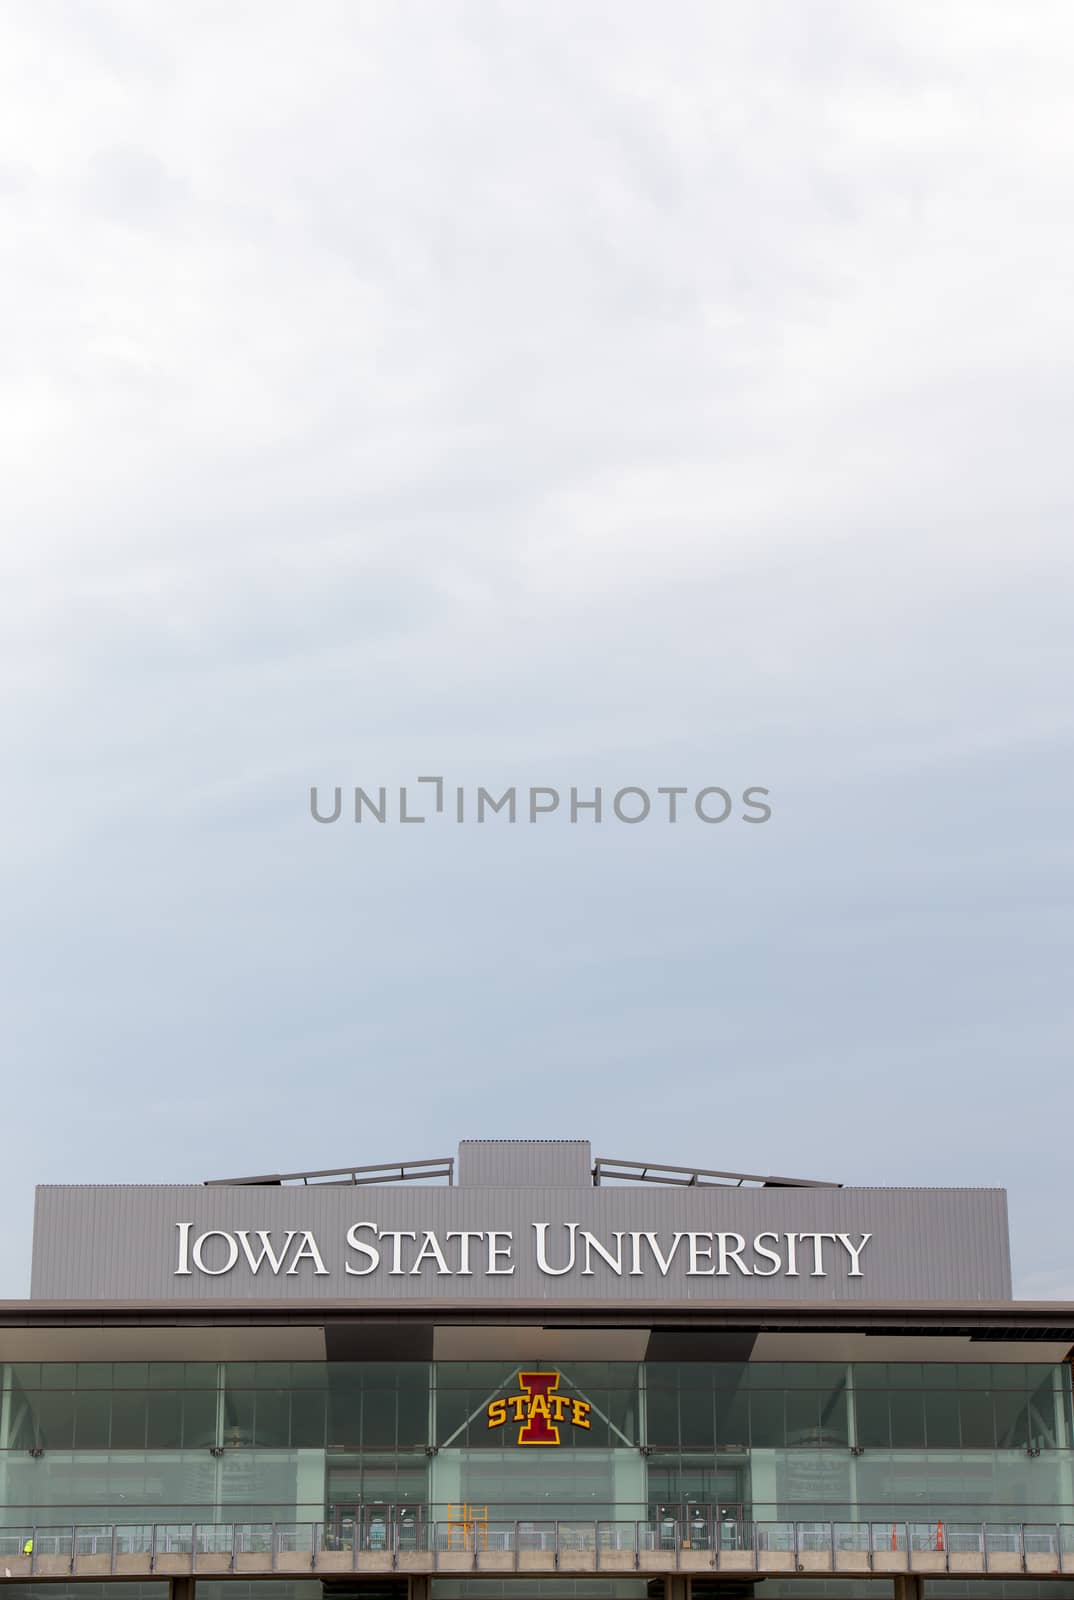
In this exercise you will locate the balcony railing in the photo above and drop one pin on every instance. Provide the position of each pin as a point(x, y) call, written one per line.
point(568, 1545)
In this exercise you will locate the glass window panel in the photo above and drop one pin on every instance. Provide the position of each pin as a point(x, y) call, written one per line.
point(199, 1419)
point(1012, 1420)
point(767, 1426)
point(240, 1374)
point(833, 1418)
point(904, 1374)
point(870, 1375)
point(378, 1418)
point(94, 1375)
point(205, 1375)
point(942, 1420)
point(130, 1375)
point(766, 1374)
point(345, 1418)
point(1008, 1375)
point(309, 1375)
point(803, 1416)
point(1042, 1404)
point(238, 1418)
point(57, 1374)
point(662, 1410)
point(307, 1420)
point(167, 1374)
point(732, 1420)
point(129, 1419)
point(908, 1421)
point(873, 1418)
point(272, 1424)
point(800, 1374)
point(939, 1375)
point(272, 1374)
point(978, 1424)
point(164, 1421)
point(27, 1374)
point(54, 1412)
point(696, 1419)
point(93, 1415)
point(731, 1374)
point(413, 1417)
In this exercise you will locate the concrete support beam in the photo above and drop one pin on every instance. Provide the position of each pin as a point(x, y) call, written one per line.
point(418, 1587)
point(677, 1586)
point(181, 1589)
point(909, 1586)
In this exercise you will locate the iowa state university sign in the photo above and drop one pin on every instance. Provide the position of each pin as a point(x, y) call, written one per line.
point(526, 1245)
point(555, 1252)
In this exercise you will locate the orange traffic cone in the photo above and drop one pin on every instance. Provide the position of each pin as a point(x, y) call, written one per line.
point(939, 1536)
point(894, 1539)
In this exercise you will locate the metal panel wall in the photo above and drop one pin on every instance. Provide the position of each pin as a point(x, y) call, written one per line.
point(123, 1243)
point(524, 1163)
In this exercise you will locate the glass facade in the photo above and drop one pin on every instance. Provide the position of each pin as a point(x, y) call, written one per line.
point(341, 1442)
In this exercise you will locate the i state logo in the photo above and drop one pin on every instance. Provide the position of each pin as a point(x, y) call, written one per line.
point(539, 1408)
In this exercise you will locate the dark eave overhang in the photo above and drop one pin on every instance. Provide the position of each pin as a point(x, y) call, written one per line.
point(1048, 1321)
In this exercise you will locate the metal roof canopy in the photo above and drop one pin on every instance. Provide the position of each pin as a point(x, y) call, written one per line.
point(610, 1169)
point(433, 1169)
point(441, 1169)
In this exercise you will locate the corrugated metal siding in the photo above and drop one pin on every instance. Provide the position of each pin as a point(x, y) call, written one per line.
point(120, 1242)
point(524, 1163)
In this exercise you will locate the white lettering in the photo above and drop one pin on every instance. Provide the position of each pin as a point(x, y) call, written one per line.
point(769, 1255)
point(592, 1243)
point(726, 1254)
point(367, 1250)
point(183, 1270)
point(308, 1251)
point(496, 1251)
point(267, 1253)
point(464, 1238)
point(664, 1263)
point(397, 1250)
point(697, 1252)
point(199, 1247)
point(541, 1230)
point(430, 1251)
point(854, 1252)
point(792, 1255)
point(818, 1252)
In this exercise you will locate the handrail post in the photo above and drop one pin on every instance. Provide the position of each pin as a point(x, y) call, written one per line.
point(909, 1549)
point(153, 1548)
point(516, 1546)
point(797, 1545)
point(234, 1545)
point(74, 1546)
point(831, 1544)
point(193, 1547)
point(1058, 1550)
point(314, 1547)
point(637, 1545)
point(555, 1556)
point(275, 1547)
point(1022, 1543)
point(870, 1543)
point(115, 1539)
point(984, 1544)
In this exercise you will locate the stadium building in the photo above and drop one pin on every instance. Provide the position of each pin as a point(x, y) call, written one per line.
point(528, 1374)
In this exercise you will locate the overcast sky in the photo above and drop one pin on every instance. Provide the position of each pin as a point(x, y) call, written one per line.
point(538, 394)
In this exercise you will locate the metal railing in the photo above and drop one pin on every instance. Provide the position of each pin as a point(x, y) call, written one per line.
point(793, 1546)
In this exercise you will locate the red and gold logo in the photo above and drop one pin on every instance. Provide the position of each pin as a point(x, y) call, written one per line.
point(539, 1408)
